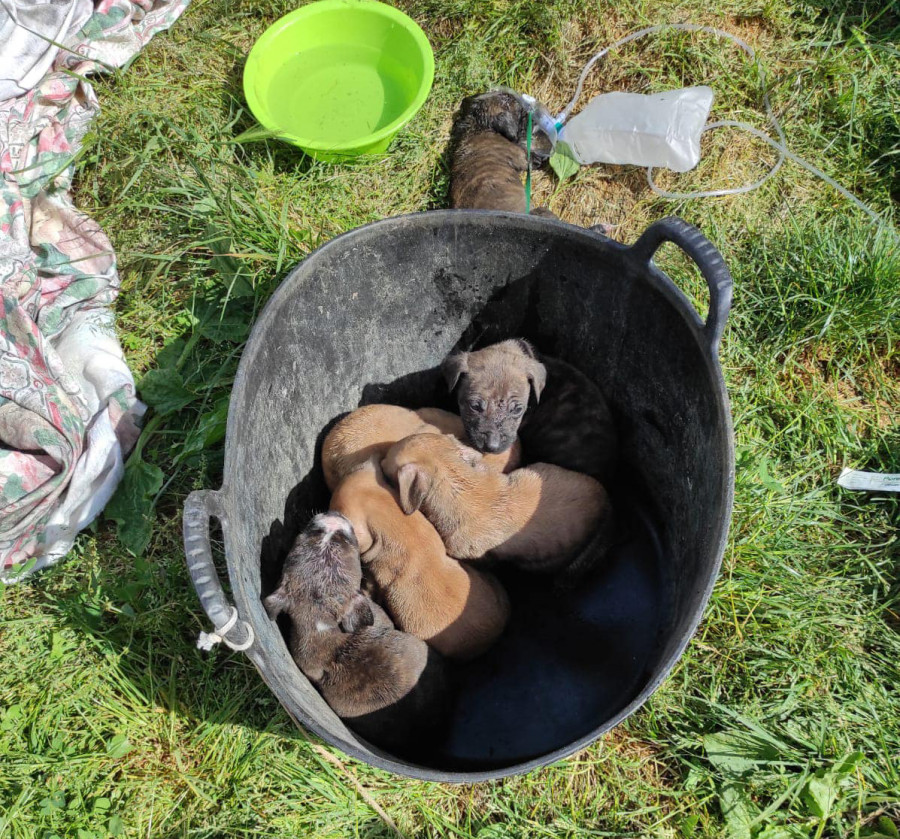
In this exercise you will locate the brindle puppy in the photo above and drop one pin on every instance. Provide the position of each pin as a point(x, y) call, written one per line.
point(488, 158)
point(386, 685)
point(569, 424)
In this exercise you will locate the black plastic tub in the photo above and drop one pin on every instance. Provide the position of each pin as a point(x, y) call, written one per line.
point(368, 317)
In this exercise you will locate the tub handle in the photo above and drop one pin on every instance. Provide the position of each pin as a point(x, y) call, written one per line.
point(708, 260)
point(199, 507)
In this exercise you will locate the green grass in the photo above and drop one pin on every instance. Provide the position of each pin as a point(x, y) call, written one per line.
point(111, 721)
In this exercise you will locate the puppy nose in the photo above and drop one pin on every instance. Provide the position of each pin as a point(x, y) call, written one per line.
point(493, 442)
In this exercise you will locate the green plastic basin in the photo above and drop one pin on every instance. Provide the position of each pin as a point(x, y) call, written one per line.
point(339, 77)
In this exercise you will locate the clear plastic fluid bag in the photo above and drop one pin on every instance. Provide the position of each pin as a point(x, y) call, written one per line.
point(661, 129)
point(564, 119)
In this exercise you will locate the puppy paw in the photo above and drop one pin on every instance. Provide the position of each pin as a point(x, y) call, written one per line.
point(543, 212)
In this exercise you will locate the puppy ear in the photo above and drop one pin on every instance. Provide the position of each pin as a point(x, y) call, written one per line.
point(537, 375)
point(506, 124)
point(526, 347)
point(453, 366)
point(275, 603)
point(414, 486)
point(358, 614)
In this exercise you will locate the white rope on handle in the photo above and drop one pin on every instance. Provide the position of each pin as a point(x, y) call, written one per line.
point(207, 640)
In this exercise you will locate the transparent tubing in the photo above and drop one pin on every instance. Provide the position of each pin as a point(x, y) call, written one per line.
point(783, 152)
point(779, 145)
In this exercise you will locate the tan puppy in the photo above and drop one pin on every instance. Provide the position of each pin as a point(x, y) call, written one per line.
point(373, 429)
point(460, 611)
point(538, 516)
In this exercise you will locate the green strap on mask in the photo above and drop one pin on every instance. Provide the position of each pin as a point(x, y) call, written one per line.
point(528, 170)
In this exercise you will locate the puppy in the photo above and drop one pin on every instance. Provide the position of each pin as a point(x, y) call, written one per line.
point(538, 516)
point(373, 429)
point(386, 685)
point(488, 156)
point(459, 611)
point(570, 424)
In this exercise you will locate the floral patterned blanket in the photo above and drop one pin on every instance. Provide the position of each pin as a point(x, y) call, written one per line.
point(68, 410)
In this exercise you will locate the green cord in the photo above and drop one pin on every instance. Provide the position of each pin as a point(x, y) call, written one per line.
point(528, 171)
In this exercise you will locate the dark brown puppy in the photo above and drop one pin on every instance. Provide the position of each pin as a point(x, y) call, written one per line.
point(488, 153)
point(570, 424)
point(386, 685)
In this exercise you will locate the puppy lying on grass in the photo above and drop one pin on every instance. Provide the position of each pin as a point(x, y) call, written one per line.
point(460, 611)
point(371, 430)
point(541, 517)
point(386, 685)
point(488, 156)
point(570, 424)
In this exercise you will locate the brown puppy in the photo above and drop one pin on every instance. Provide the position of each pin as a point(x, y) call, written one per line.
point(488, 158)
point(570, 425)
point(371, 430)
point(386, 685)
point(460, 611)
point(538, 516)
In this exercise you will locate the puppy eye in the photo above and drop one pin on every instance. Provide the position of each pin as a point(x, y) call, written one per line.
point(515, 410)
point(477, 406)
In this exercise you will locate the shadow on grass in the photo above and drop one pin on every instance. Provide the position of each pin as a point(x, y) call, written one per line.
point(880, 21)
point(886, 459)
